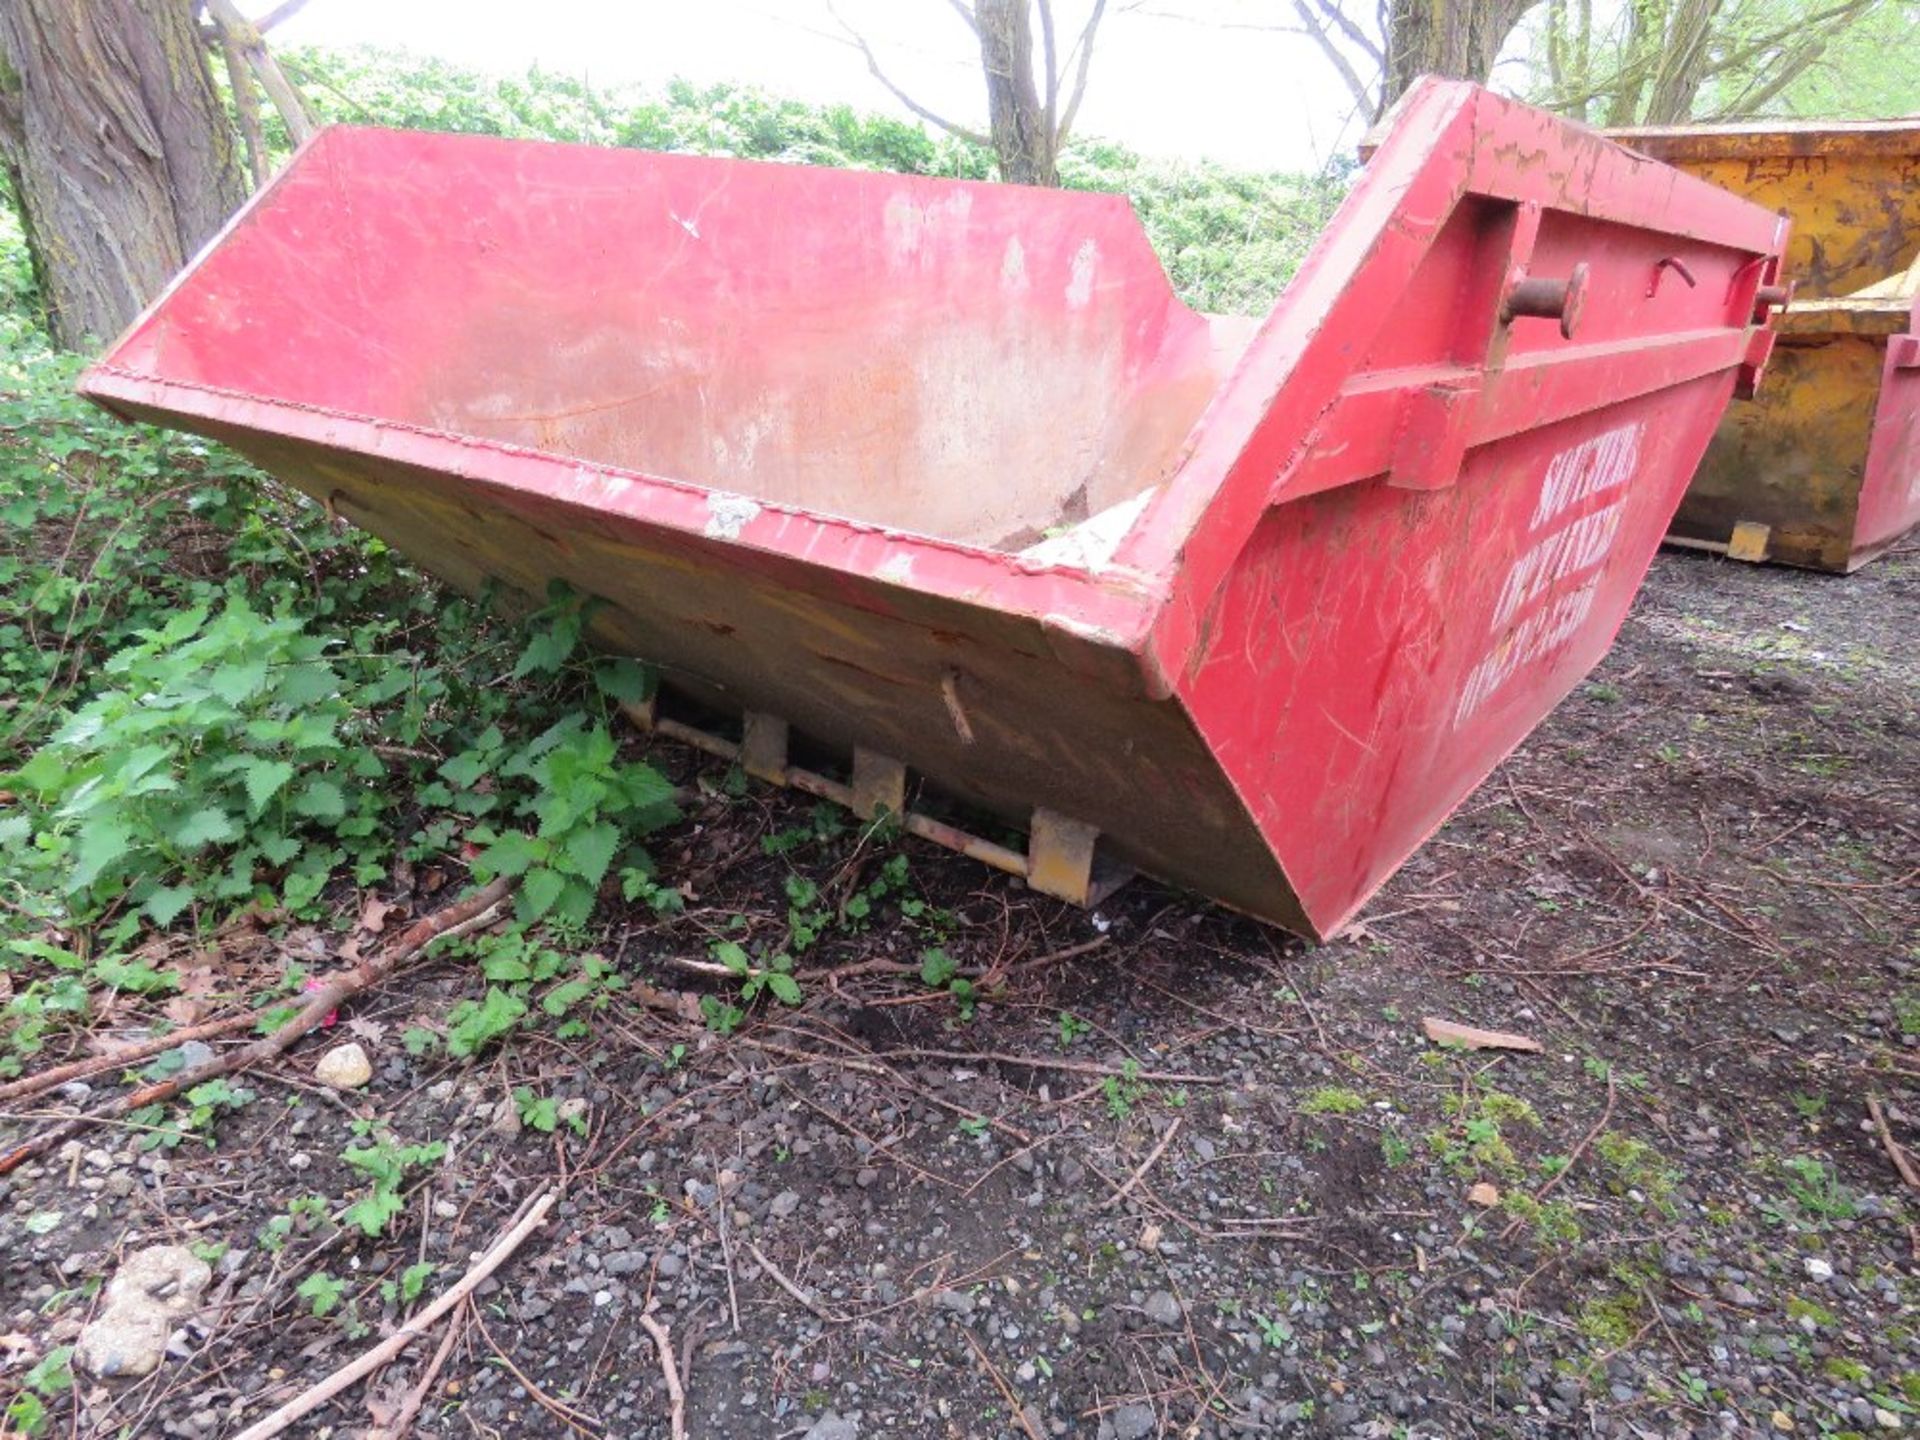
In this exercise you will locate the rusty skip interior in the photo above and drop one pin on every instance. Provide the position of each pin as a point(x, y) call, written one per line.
point(953, 361)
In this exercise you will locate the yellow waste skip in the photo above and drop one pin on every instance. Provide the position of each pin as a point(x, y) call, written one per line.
point(1823, 468)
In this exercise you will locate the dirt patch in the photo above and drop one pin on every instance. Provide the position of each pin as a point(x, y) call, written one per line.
point(898, 1211)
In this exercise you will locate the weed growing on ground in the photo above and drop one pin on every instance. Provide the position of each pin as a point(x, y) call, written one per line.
point(46, 1381)
point(1816, 1191)
point(1123, 1091)
point(1333, 1100)
point(386, 1163)
point(1634, 1165)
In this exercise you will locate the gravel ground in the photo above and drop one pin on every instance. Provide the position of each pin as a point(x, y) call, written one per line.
point(1164, 1171)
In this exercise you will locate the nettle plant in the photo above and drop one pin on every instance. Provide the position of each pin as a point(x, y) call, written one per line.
point(587, 808)
point(215, 758)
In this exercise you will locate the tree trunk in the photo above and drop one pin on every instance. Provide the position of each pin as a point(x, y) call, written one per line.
point(1022, 131)
point(125, 159)
point(1457, 38)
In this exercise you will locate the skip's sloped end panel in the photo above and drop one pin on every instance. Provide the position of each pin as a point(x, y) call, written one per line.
point(1890, 493)
point(1390, 647)
point(1522, 339)
point(977, 702)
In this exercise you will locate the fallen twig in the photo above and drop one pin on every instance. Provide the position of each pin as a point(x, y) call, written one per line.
point(1006, 1391)
point(132, 1053)
point(478, 909)
point(575, 1420)
point(1147, 1164)
point(792, 1289)
point(312, 1398)
point(417, 1396)
point(1048, 1062)
point(1894, 1153)
point(676, 1397)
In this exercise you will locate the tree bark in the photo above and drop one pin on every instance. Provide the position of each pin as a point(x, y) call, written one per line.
point(1456, 38)
point(125, 159)
point(1018, 120)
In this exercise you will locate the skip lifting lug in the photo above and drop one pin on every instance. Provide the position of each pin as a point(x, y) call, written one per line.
point(1544, 299)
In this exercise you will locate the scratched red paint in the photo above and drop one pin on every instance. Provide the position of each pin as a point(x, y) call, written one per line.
point(945, 471)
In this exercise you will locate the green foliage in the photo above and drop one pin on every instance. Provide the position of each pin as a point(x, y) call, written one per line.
point(1635, 1165)
point(473, 1025)
point(1657, 62)
point(1816, 1189)
point(49, 1378)
point(42, 1005)
point(1123, 1091)
point(385, 1162)
point(216, 755)
point(774, 974)
point(322, 1292)
point(304, 1214)
point(1333, 1100)
point(536, 1112)
point(939, 971)
point(410, 1286)
point(202, 1106)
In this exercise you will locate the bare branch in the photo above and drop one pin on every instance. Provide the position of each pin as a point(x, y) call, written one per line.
point(246, 38)
point(1084, 45)
point(280, 13)
point(1344, 23)
point(1362, 93)
point(246, 105)
point(1053, 73)
point(961, 8)
point(859, 42)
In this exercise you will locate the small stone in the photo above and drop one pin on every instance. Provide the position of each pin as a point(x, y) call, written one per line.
point(1885, 1419)
point(959, 1302)
point(344, 1067)
point(866, 1178)
point(670, 1265)
point(1484, 1195)
point(1737, 1294)
point(1163, 1310)
point(1818, 1269)
point(834, 1427)
point(572, 1111)
point(784, 1204)
point(626, 1262)
point(151, 1290)
point(1134, 1422)
point(1782, 1421)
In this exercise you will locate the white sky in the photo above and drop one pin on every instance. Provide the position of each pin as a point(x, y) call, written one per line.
point(1170, 77)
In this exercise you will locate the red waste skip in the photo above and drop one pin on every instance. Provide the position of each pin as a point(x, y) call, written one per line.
point(942, 477)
